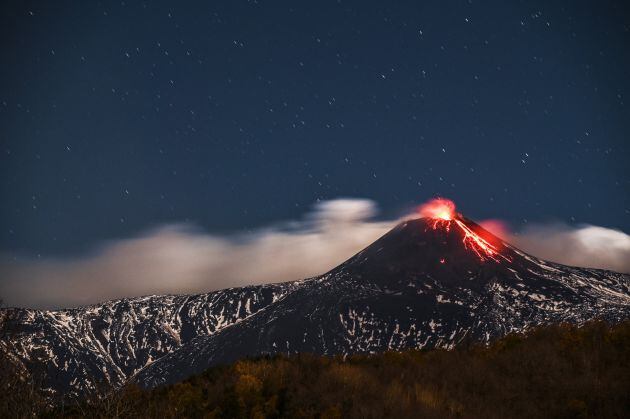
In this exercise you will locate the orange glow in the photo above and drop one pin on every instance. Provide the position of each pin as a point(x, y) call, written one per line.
point(443, 209)
point(443, 215)
point(497, 227)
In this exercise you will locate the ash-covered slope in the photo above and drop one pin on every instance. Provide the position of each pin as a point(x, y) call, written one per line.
point(430, 282)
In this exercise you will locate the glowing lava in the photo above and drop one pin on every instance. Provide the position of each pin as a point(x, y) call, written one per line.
point(438, 208)
point(442, 212)
point(474, 242)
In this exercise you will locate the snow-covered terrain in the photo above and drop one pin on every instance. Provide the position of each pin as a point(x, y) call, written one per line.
point(94, 347)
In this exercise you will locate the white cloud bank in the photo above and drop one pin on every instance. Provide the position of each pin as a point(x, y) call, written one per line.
point(587, 245)
point(183, 259)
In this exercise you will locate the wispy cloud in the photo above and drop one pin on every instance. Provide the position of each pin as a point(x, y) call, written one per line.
point(181, 258)
point(585, 245)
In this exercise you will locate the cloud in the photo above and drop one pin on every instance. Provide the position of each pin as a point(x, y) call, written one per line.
point(586, 245)
point(181, 258)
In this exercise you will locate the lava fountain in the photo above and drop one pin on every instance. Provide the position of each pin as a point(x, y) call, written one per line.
point(439, 208)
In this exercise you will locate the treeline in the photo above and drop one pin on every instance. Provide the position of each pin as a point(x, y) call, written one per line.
point(557, 371)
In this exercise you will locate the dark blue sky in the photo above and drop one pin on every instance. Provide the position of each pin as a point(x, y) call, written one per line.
point(120, 116)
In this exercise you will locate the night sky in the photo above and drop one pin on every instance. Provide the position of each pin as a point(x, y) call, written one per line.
point(121, 116)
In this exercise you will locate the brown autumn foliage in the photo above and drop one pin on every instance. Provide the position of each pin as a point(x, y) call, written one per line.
point(556, 371)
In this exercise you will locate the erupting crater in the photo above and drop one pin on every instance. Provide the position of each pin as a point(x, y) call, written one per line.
point(442, 213)
point(439, 208)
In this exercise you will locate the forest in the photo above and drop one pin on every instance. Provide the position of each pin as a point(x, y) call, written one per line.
point(554, 371)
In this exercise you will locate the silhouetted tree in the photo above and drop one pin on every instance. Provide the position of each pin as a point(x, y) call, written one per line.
point(19, 393)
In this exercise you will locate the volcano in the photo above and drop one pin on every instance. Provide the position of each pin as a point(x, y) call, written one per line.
point(430, 282)
point(437, 281)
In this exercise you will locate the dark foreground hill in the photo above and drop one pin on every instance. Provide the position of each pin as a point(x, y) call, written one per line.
point(553, 371)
